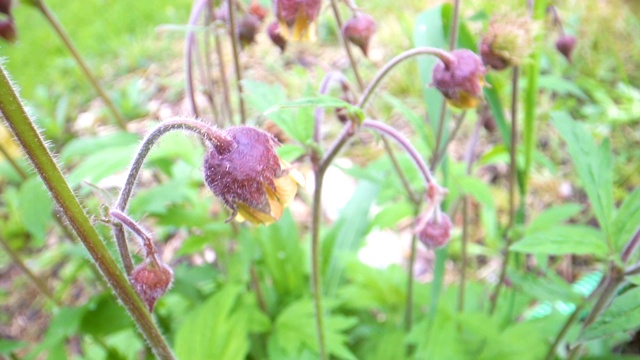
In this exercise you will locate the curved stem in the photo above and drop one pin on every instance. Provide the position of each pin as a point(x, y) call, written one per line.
point(387, 130)
point(441, 54)
point(35, 149)
point(48, 14)
point(134, 227)
point(347, 47)
point(209, 134)
point(236, 57)
point(315, 261)
point(188, 53)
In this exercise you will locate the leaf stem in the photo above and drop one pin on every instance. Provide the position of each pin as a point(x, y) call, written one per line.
point(315, 260)
point(66, 40)
point(35, 149)
point(188, 54)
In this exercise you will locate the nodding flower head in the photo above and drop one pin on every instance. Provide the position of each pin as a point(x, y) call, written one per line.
point(507, 42)
point(273, 30)
point(359, 30)
point(249, 177)
point(460, 80)
point(297, 18)
point(565, 45)
point(434, 229)
point(151, 279)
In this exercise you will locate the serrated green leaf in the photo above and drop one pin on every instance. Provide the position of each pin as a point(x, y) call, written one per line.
point(215, 330)
point(35, 208)
point(552, 216)
point(548, 287)
point(563, 240)
point(622, 315)
point(627, 220)
point(593, 164)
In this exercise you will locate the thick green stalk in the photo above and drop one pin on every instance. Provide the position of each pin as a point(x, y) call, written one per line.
point(48, 14)
point(35, 149)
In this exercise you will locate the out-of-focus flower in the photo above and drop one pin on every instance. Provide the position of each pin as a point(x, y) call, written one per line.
point(508, 41)
point(434, 229)
point(359, 30)
point(249, 177)
point(247, 29)
point(565, 44)
point(460, 80)
point(297, 18)
point(257, 10)
point(273, 30)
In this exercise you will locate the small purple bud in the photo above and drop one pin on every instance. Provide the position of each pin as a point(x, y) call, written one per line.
point(434, 231)
point(359, 30)
point(151, 280)
point(565, 45)
point(273, 30)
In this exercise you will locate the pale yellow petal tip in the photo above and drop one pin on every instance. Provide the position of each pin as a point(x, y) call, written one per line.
point(302, 30)
point(253, 216)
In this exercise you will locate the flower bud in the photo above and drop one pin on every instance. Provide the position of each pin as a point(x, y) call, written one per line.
point(359, 30)
point(297, 18)
point(565, 45)
point(151, 279)
point(460, 80)
point(249, 177)
point(273, 30)
point(8, 30)
point(434, 230)
point(507, 42)
point(247, 29)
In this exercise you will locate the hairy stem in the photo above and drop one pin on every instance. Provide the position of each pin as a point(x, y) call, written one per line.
point(207, 133)
point(236, 57)
point(34, 147)
point(347, 47)
point(48, 14)
point(513, 168)
point(441, 54)
point(396, 166)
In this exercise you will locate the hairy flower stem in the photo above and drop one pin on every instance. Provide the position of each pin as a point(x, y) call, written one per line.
point(387, 130)
point(66, 40)
point(207, 133)
point(35, 149)
point(347, 47)
point(39, 284)
point(190, 45)
point(513, 168)
point(453, 39)
point(441, 54)
point(236, 57)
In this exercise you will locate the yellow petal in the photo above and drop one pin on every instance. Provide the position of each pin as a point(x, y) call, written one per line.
point(254, 216)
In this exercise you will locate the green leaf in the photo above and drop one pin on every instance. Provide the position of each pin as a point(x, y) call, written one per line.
point(622, 315)
point(345, 237)
point(295, 331)
point(218, 329)
point(105, 316)
point(549, 287)
point(553, 216)
point(391, 214)
point(322, 101)
point(101, 164)
point(563, 240)
point(627, 221)
point(82, 147)
point(35, 207)
point(482, 193)
point(7, 346)
point(593, 164)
